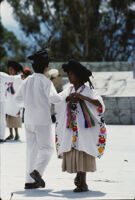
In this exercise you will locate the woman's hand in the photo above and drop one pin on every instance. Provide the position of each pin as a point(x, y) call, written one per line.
point(72, 98)
point(77, 95)
point(85, 98)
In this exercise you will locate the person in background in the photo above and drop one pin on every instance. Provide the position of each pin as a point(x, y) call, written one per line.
point(37, 93)
point(4, 80)
point(56, 78)
point(13, 111)
point(26, 72)
point(80, 126)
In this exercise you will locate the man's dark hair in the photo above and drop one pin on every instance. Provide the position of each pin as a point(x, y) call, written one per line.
point(40, 61)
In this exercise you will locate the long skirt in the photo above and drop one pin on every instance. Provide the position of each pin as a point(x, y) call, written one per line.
point(78, 161)
point(14, 122)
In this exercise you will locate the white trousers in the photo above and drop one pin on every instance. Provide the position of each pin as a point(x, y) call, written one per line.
point(2, 120)
point(39, 148)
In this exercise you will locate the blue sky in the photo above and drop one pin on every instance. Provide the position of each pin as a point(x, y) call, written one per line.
point(8, 20)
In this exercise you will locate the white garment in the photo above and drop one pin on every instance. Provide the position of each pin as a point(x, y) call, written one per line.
point(2, 120)
point(2, 104)
point(40, 147)
point(87, 138)
point(4, 78)
point(12, 108)
point(37, 92)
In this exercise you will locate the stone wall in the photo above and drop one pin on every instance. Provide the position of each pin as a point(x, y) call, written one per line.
point(100, 66)
point(120, 110)
point(118, 92)
point(93, 66)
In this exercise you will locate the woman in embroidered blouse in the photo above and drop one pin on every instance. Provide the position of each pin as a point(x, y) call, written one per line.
point(81, 132)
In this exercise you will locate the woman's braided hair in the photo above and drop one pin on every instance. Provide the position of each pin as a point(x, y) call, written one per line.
point(82, 73)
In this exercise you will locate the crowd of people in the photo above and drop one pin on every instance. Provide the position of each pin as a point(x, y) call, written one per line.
point(80, 132)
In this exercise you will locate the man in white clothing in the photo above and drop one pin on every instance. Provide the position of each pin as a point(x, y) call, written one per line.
point(37, 92)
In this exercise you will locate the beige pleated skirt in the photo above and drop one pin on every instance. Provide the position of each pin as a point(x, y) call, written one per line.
point(78, 161)
point(13, 122)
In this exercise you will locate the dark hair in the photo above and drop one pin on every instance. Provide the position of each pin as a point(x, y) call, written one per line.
point(81, 72)
point(16, 66)
point(40, 61)
point(39, 65)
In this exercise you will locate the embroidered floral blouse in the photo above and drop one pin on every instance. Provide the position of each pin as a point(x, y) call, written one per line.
point(80, 125)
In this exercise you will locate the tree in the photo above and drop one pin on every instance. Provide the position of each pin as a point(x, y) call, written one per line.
point(10, 47)
point(81, 28)
point(118, 28)
point(3, 52)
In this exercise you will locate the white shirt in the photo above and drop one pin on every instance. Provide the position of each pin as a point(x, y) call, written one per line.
point(4, 79)
point(12, 108)
point(87, 139)
point(37, 92)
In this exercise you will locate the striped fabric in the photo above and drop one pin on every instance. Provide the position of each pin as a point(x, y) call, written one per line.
point(71, 115)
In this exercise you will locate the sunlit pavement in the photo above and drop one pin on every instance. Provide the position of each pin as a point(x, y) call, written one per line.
point(114, 178)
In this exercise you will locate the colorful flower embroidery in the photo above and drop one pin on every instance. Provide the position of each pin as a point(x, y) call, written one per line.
point(102, 140)
point(102, 135)
point(56, 140)
point(100, 110)
point(103, 129)
point(10, 88)
point(102, 119)
point(74, 139)
point(100, 149)
point(72, 120)
point(74, 128)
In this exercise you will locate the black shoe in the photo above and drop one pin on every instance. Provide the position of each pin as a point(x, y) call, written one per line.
point(16, 137)
point(31, 185)
point(53, 118)
point(38, 179)
point(83, 188)
point(2, 140)
point(10, 137)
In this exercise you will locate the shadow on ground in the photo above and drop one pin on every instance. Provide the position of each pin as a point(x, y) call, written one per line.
point(60, 194)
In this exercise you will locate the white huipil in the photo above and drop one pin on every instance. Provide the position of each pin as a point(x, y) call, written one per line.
point(12, 108)
point(37, 92)
point(90, 140)
point(4, 80)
